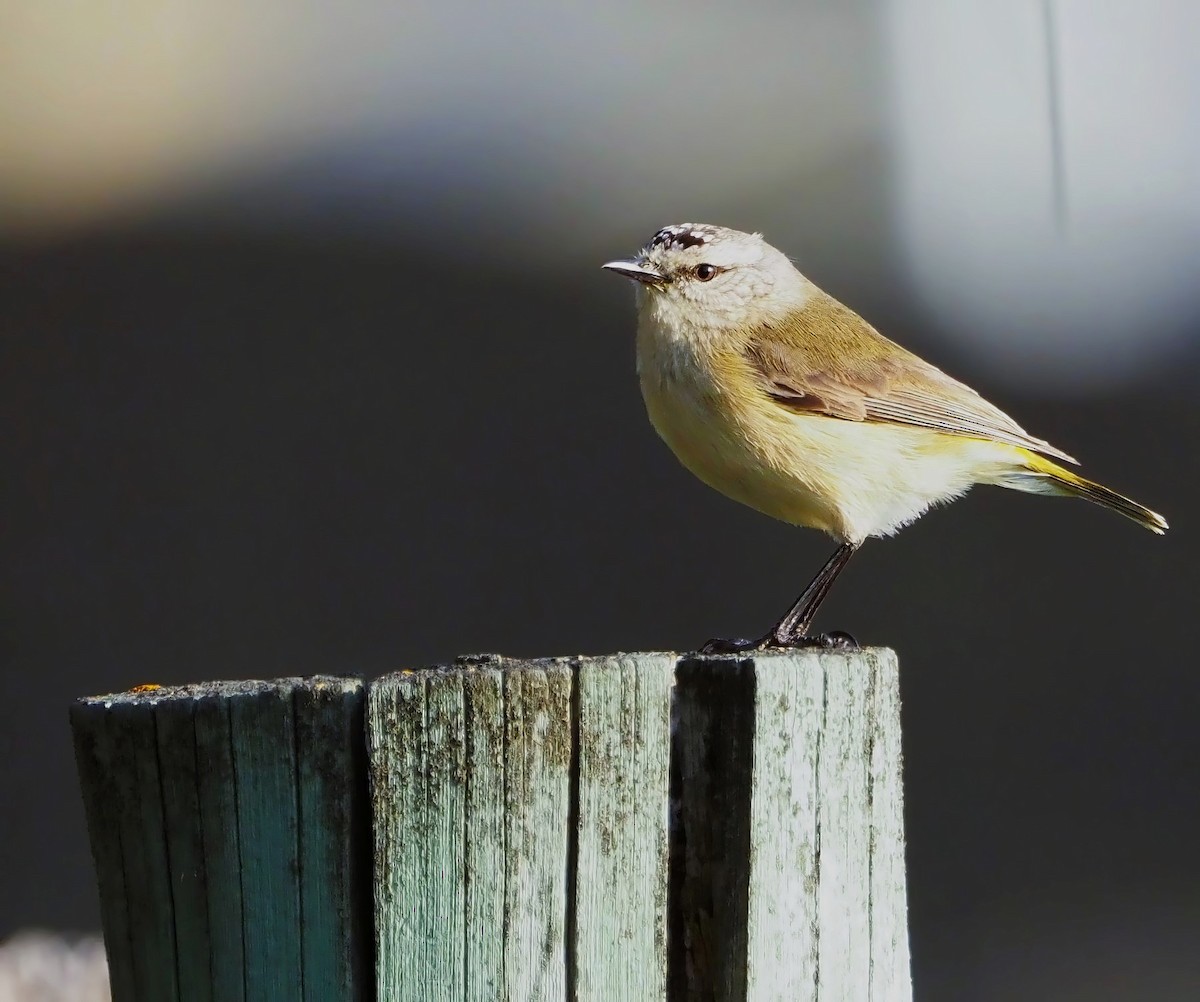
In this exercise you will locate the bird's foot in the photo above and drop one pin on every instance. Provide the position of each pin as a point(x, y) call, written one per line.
point(836, 640)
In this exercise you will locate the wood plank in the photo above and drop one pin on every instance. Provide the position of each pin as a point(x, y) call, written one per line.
point(396, 750)
point(538, 761)
point(483, 690)
point(844, 821)
point(142, 828)
point(175, 730)
point(335, 840)
point(221, 837)
point(196, 794)
point(624, 738)
point(262, 732)
point(796, 889)
point(890, 962)
point(788, 842)
point(710, 844)
point(97, 778)
point(471, 779)
point(417, 749)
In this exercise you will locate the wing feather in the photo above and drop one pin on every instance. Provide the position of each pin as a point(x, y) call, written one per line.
point(803, 366)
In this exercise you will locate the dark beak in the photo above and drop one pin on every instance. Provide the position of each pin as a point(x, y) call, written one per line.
point(638, 272)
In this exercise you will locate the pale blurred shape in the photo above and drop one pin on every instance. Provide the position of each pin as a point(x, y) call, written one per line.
point(1104, 285)
point(523, 120)
point(549, 136)
point(46, 967)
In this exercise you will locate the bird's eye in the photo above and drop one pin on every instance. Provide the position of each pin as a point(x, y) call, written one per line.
point(705, 272)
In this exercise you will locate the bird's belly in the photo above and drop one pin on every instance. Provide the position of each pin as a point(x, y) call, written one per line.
point(849, 479)
point(709, 440)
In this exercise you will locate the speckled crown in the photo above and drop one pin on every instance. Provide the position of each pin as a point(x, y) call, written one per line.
point(681, 236)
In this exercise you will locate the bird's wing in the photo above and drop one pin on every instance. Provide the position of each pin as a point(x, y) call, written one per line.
point(843, 368)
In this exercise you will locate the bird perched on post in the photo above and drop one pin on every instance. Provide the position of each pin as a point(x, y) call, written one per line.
point(777, 395)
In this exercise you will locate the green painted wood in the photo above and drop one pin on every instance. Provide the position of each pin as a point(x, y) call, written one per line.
point(97, 775)
point(262, 730)
point(522, 806)
point(237, 815)
point(538, 759)
point(483, 691)
point(620, 889)
point(142, 823)
point(471, 780)
point(216, 794)
point(791, 838)
point(175, 733)
point(417, 748)
point(572, 829)
point(335, 840)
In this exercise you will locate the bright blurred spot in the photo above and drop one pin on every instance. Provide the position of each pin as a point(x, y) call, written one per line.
point(1104, 285)
point(567, 109)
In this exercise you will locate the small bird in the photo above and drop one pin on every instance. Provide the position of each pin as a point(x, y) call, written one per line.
point(778, 396)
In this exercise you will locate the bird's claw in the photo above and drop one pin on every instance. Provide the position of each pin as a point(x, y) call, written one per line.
point(835, 640)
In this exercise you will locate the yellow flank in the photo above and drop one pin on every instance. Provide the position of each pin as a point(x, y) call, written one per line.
point(849, 479)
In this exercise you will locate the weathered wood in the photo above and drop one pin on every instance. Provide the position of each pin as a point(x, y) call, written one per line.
point(633, 827)
point(791, 838)
point(891, 976)
point(337, 919)
point(228, 826)
point(620, 876)
point(416, 732)
point(535, 810)
point(217, 799)
point(180, 782)
point(537, 764)
point(470, 782)
point(711, 836)
point(98, 781)
point(483, 857)
point(262, 730)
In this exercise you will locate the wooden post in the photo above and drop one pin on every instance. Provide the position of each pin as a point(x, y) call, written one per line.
point(790, 845)
point(229, 828)
point(521, 829)
point(637, 827)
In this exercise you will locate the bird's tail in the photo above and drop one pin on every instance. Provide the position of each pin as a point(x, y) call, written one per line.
point(1042, 476)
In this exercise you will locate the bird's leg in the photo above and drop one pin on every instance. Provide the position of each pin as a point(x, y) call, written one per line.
point(792, 629)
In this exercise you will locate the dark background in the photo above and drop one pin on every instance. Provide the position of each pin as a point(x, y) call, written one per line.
point(326, 438)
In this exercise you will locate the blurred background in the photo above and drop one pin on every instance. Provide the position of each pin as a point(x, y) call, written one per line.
point(308, 365)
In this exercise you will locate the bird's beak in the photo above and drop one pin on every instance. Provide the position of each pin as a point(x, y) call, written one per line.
point(637, 271)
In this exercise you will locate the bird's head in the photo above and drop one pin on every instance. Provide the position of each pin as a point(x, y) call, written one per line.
point(701, 276)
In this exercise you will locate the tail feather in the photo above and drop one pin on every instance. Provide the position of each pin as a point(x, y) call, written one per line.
point(1046, 477)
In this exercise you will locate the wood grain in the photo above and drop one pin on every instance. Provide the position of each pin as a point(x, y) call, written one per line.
point(791, 834)
point(634, 827)
point(228, 825)
point(521, 808)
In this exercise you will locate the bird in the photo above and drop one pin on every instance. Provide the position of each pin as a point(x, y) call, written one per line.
point(777, 395)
